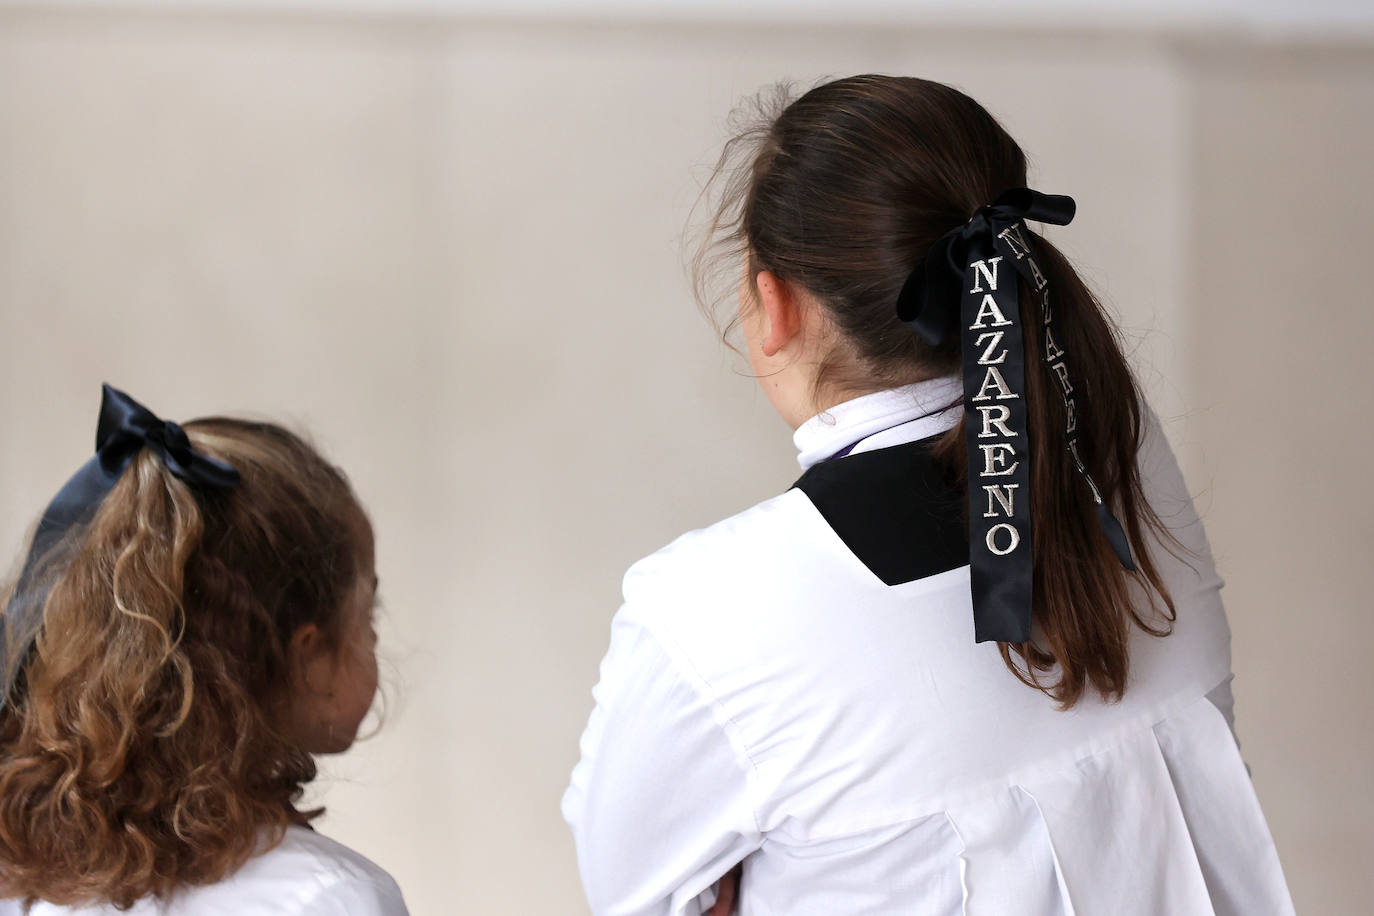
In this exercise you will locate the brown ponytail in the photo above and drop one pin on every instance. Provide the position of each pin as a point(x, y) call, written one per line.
point(842, 192)
point(139, 748)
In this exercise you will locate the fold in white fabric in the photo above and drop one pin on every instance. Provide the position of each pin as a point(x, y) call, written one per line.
point(766, 698)
point(881, 419)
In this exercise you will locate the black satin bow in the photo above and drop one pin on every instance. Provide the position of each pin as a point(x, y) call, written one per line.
point(125, 428)
point(960, 287)
point(929, 300)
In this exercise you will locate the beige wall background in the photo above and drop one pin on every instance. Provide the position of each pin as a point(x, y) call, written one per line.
point(450, 248)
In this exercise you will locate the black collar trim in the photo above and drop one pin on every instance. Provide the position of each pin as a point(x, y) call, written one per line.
point(896, 509)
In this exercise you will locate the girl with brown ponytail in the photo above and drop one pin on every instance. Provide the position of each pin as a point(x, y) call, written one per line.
point(975, 661)
point(192, 623)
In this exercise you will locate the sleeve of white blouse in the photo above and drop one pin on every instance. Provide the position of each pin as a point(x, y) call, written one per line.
point(1172, 501)
point(659, 804)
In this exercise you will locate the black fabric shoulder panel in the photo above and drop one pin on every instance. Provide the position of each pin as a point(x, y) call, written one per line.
point(894, 508)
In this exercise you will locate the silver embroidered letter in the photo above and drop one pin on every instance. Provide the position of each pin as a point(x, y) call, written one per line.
point(988, 309)
point(981, 267)
point(995, 415)
point(1061, 370)
point(1052, 349)
point(994, 379)
point(1012, 236)
point(992, 541)
point(996, 338)
point(1000, 493)
point(996, 455)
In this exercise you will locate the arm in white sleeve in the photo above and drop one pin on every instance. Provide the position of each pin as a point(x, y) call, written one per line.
point(1171, 500)
point(659, 804)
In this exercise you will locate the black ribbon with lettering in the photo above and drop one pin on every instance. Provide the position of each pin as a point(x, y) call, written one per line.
point(964, 281)
point(125, 428)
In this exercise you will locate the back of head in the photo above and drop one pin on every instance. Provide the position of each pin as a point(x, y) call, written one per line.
point(140, 744)
point(842, 192)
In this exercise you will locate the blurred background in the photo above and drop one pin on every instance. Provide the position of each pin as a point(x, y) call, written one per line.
point(447, 239)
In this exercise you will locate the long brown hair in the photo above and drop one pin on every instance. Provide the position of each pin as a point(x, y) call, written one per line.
point(139, 750)
point(841, 192)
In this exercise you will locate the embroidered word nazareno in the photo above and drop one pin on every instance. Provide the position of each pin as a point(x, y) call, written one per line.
point(999, 454)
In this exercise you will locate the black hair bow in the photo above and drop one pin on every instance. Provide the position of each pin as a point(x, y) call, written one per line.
point(960, 286)
point(125, 428)
point(929, 300)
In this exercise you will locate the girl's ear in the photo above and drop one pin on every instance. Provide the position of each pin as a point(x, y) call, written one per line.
point(305, 641)
point(781, 309)
point(307, 656)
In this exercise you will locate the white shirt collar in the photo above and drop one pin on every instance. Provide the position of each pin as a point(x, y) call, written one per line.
point(881, 419)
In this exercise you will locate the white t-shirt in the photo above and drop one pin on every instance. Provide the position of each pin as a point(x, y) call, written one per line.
point(306, 875)
point(768, 698)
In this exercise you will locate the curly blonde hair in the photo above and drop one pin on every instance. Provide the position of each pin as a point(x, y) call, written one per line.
point(138, 746)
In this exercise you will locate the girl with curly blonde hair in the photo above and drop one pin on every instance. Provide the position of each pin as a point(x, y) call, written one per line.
point(192, 624)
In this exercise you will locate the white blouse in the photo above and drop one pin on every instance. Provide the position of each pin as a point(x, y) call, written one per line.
point(306, 875)
point(767, 699)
